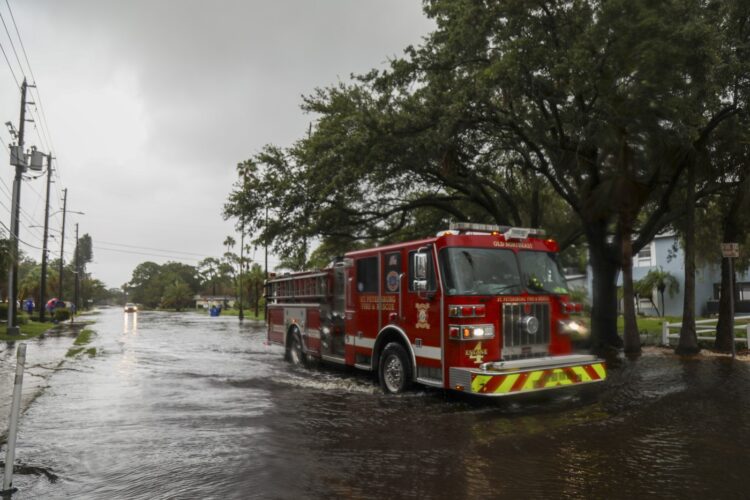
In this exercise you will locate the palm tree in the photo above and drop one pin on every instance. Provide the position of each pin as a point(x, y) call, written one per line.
point(229, 242)
point(661, 280)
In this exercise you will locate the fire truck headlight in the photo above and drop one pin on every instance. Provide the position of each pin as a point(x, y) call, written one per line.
point(572, 327)
point(471, 332)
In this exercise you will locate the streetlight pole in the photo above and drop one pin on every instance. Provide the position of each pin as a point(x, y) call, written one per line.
point(13, 329)
point(43, 288)
point(62, 245)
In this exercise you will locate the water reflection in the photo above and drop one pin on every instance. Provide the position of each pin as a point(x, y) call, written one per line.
point(191, 406)
point(131, 323)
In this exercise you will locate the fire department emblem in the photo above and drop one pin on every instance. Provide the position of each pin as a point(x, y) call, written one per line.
point(422, 316)
point(477, 354)
point(392, 281)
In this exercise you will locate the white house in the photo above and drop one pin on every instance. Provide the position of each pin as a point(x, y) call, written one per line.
point(666, 253)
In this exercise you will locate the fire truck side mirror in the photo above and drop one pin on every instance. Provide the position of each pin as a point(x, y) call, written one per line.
point(420, 267)
point(420, 271)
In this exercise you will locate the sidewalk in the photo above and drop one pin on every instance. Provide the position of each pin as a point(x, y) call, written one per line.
point(43, 355)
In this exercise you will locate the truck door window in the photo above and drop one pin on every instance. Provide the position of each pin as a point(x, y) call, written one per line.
point(367, 275)
point(392, 272)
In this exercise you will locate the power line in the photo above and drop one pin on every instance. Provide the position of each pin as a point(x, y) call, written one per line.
point(10, 67)
point(42, 131)
point(97, 248)
point(19, 239)
point(150, 248)
point(12, 45)
point(13, 18)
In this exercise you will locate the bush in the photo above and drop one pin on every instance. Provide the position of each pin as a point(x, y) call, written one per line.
point(4, 310)
point(62, 314)
point(22, 318)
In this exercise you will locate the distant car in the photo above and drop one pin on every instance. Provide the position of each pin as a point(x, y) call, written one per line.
point(131, 308)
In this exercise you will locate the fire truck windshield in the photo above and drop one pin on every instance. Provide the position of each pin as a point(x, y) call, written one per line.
point(490, 271)
point(542, 273)
point(480, 271)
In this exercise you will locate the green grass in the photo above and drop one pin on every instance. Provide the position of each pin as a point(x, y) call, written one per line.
point(29, 330)
point(84, 337)
point(73, 352)
point(648, 324)
point(249, 313)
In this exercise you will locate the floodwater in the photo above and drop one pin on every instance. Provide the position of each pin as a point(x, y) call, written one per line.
point(188, 406)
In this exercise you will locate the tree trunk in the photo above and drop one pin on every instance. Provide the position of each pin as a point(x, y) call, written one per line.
point(730, 222)
point(688, 343)
point(663, 304)
point(604, 291)
point(631, 336)
point(723, 340)
point(257, 300)
point(656, 307)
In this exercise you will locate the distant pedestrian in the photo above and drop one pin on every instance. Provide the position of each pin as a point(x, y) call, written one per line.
point(72, 312)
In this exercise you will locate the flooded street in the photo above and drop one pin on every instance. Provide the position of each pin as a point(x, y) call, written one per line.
point(188, 406)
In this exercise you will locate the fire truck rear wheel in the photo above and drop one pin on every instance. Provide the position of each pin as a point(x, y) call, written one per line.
point(395, 372)
point(295, 354)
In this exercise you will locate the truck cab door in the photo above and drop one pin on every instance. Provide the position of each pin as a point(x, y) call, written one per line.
point(422, 313)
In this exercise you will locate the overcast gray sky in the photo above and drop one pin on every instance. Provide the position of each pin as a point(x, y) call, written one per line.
point(151, 104)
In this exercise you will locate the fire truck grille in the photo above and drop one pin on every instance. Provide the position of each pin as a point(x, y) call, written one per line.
point(518, 343)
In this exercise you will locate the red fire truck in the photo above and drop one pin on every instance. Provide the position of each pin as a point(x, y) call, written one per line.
point(480, 309)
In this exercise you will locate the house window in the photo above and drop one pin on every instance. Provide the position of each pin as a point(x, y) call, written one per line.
point(644, 258)
point(743, 291)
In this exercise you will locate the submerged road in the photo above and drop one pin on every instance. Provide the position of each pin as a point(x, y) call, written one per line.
point(188, 406)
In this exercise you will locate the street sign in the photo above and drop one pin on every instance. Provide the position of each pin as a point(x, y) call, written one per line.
point(730, 250)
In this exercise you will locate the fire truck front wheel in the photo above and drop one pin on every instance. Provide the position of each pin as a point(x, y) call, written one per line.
point(395, 372)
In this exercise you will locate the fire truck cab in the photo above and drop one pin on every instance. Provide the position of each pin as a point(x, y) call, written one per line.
point(478, 309)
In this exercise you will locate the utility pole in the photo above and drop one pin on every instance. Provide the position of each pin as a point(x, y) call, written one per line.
point(242, 264)
point(43, 288)
point(13, 328)
point(62, 245)
point(77, 290)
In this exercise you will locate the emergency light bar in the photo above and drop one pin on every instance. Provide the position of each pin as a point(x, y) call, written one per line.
point(507, 231)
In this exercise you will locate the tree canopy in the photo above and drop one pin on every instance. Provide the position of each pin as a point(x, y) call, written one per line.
point(583, 117)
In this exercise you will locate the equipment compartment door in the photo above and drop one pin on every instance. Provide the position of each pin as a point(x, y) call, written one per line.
point(362, 322)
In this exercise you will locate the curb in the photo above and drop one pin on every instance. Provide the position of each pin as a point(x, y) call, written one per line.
point(37, 372)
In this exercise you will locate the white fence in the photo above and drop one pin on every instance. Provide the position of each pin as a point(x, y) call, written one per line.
point(741, 323)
